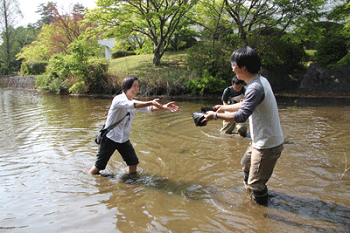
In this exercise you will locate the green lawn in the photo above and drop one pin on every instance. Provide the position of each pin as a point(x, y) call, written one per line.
point(170, 75)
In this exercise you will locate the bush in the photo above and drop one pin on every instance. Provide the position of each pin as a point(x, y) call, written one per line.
point(75, 70)
point(33, 68)
point(96, 75)
point(42, 82)
point(275, 52)
point(78, 87)
point(345, 60)
point(58, 86)
point(331, 50)
point(120, 53)
point(59, 66)
point(212, 57)
point(206, 84)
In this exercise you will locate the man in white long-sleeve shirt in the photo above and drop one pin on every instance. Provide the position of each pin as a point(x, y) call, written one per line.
point(260, 106)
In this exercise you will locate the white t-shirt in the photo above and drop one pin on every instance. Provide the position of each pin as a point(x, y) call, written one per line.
point(259, 104)
point(120, 106)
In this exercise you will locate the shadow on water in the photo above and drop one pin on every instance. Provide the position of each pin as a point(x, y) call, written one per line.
point(195, 191)
point(312, 209)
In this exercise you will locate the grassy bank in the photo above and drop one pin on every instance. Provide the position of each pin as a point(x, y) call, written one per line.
point(167, 79)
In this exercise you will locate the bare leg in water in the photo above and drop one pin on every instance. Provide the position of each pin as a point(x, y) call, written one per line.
point(131, 170)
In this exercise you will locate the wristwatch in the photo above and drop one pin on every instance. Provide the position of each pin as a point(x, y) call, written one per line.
point(215, 116)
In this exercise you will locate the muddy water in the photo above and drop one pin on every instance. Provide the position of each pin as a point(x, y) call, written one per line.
point(190, 177)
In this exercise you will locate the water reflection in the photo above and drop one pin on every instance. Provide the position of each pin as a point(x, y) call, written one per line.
point(190, 178)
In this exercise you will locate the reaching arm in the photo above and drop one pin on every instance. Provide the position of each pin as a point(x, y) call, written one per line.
point(223, 116)
point(228, 108)
point(170, 106)
point(155, 105)
point(144, 104)
point(220, 109)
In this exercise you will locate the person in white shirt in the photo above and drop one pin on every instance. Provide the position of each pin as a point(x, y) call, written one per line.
point(260, 106)
point(122, 109)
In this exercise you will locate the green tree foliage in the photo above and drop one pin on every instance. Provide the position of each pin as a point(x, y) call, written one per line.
point(206, 84)
point(30, 68)
point(57, 36)
point(258, 16)
point(342, 13)
point(158, 20)
point(19, 37)
point(331, 50)
point(47, 12)
point(136, 42)
point(76, 72)
point(211, 64)
point(211, 16)
point(278, 51)
point(42, 48)
point(184, 36)
point(9, 17)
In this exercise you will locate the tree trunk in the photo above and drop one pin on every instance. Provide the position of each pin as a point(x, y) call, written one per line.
point(157, 57)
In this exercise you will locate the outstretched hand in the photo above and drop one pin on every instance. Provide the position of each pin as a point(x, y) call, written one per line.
point(171, 106)
point(156, 104)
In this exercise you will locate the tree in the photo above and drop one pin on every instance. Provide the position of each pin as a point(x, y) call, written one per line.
point(9, 17)
point(155, 19)
point(260, 16)
point(47, 12)
point(340, 12)
point(56, 36)
point(211, 16)
point(345, 15)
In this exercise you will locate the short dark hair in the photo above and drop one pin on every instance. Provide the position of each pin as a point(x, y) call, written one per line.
point(237, 81)
point(247, 57)
point(127, 82)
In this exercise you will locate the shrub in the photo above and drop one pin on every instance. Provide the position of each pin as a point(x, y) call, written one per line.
point(331, 50)
point(63, 71)
point(345, 60)
point(119, 53)
point(42, 82)
point(206, 83)
point(96, 75)
point(78, 87)
point(33, 68)
point(58, 86)
point(213, 57)
point(275, 52)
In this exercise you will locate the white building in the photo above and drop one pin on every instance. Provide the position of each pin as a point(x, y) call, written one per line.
point(109, 44)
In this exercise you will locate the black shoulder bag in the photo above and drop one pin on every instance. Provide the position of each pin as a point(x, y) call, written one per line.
point(103, 131)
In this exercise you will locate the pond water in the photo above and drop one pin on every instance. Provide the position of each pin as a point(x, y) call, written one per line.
point(190, 177)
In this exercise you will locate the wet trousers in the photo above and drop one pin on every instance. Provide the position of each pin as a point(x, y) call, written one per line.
point(258, 165)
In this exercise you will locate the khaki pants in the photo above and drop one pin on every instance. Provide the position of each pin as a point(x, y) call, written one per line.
point(259, 165)
point(229, 127)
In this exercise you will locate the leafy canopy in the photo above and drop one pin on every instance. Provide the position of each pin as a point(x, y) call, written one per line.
point(155, 19)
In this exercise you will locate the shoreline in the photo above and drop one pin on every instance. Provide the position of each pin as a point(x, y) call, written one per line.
point(189, 97)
